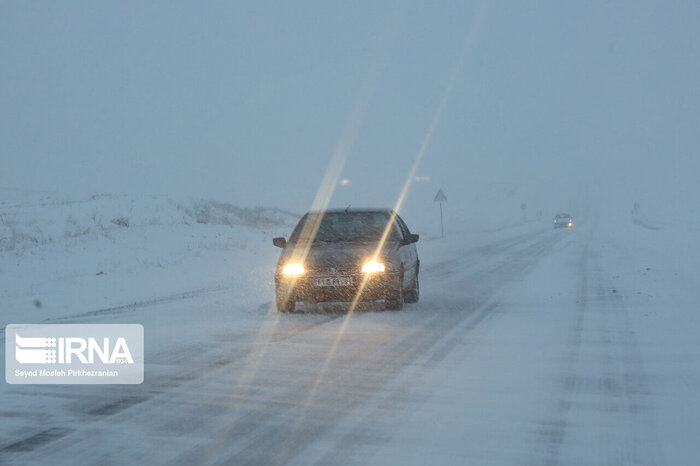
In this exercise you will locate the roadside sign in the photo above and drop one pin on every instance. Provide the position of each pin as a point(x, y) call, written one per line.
point(440, 197)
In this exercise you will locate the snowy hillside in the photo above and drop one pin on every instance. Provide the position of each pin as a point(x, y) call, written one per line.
point(62, 257)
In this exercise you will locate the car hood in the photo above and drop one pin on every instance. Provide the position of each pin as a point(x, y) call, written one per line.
point(339, 254)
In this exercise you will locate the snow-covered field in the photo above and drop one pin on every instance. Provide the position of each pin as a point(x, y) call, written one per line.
point(69, 257)
point(529, 345)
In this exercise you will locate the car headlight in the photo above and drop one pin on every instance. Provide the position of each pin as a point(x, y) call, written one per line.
point(293, 269)
point(373, 266)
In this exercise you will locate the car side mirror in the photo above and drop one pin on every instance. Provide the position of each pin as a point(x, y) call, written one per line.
point(279, 242)
point(410, 239)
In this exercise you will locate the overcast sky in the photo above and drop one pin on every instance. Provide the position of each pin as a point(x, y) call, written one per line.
point(246, 102)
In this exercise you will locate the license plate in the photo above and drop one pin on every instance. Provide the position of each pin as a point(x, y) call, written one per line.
point(333, 281)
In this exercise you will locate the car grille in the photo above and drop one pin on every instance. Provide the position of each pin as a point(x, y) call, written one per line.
point(333, 269)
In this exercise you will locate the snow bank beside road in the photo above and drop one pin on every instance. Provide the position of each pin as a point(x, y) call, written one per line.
point(61, 257)
point(42, 220)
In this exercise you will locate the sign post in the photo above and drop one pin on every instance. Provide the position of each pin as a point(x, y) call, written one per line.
point(440, 197)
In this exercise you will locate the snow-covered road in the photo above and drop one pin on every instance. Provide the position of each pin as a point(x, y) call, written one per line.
point(524, 349)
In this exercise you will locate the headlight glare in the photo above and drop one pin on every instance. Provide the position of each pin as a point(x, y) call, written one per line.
point(293, 269)
point(373, 266)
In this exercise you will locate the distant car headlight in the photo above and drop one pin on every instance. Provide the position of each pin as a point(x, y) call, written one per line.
point(373, 266)
point(293, 269)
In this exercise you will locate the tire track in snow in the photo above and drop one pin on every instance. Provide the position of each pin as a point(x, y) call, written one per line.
point(604, 391)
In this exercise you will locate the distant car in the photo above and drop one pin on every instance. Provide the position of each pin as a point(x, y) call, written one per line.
point(348, 255)
point(563, 221)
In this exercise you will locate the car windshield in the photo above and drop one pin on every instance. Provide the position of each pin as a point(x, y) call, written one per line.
point(341, 226)
point(563, 216)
